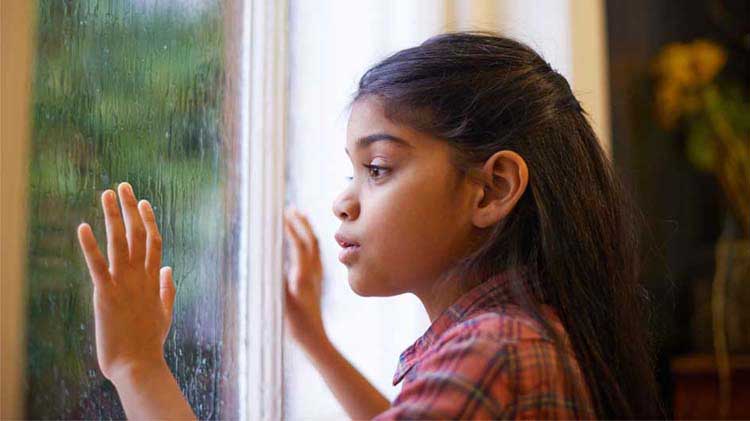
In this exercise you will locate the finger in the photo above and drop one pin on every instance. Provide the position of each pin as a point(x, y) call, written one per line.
point(117, 243)
point(285, 285)
point(94, 259)
point(289, 299)
point(308, 233)
point(136, 233)
point(153, 238)
point(297, 243)
point(167, 289)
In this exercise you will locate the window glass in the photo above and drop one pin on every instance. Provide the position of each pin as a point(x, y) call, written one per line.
point(130, 91)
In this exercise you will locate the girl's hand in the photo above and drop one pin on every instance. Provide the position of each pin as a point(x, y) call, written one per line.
point(302, 284)
point(133, 295)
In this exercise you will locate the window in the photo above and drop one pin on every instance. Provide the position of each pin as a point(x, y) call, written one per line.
point(131, 91)
point(183, 99)
point(187, 100)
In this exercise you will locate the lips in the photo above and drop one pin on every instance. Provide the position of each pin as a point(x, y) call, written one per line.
point(345, 241)
point(349, 249)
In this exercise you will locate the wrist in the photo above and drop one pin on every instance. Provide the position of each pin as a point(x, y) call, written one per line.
point(318, 340)
point(136, 372)
point(310, 336)
point(320, 350)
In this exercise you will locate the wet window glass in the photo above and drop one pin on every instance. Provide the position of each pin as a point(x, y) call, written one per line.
point(130, 91)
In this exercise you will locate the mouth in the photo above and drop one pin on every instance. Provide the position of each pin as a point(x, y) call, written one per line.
point(345, 242)
point(349, 249)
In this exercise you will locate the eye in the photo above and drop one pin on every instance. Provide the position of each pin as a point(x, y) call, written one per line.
point(375, 171)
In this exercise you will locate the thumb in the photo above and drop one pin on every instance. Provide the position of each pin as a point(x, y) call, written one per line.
point(166, 288)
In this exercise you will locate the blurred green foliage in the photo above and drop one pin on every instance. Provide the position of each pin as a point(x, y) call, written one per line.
point(126, 91)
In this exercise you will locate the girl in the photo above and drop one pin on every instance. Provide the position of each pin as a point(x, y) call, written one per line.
point(478, 186)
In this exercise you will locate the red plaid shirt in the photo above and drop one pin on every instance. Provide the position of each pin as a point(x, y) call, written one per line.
point(485, 358)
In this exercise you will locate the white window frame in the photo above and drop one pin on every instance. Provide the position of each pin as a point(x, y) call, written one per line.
point(263, 110)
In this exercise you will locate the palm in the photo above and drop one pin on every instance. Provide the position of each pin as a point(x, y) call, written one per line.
point(133, 297)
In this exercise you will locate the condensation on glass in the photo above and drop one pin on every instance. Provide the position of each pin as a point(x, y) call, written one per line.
point(135, 91)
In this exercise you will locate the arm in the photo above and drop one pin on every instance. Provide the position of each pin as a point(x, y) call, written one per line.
point(359, 397)
point(132, 294)
point(151, 392)
point(304, 321)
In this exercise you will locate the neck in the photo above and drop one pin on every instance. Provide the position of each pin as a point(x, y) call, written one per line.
point(442, 293)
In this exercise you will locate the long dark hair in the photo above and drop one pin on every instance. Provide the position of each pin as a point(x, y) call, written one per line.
point(574, 229)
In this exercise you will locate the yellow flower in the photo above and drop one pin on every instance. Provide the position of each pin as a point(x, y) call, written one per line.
point(691, 64)
point(674, 64)
point(682, 71)
point(668, 103)
point(708, 59)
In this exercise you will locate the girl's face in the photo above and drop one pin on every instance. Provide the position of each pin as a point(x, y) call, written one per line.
point(409, 211)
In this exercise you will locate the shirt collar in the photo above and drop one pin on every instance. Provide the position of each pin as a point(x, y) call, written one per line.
point(483, 296)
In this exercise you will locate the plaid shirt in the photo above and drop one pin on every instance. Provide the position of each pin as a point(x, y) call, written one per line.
point(485, 358)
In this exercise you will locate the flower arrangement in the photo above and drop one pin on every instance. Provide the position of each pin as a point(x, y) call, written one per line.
point(714, 114)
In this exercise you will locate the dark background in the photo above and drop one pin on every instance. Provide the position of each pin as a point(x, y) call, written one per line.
point(681, 206)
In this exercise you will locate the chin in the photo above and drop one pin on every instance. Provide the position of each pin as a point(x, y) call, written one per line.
point(361, 287)
point(358, 288)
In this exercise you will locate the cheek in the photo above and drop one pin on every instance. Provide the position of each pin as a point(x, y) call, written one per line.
point(415, 229)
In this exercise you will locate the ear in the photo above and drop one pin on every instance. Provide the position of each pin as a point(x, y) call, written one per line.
point(505, 178)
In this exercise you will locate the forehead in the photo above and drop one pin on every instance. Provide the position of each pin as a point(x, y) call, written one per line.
point(368, 124)
point(368, 115)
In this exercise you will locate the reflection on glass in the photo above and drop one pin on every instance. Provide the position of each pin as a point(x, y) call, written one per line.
point(130, 91)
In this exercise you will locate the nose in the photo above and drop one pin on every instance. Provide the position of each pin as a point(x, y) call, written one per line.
point(346, 206)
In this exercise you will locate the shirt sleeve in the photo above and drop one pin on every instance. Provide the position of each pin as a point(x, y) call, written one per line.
point(459, 380)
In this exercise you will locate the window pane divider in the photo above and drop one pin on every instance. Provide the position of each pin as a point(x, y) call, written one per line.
point(263, 92)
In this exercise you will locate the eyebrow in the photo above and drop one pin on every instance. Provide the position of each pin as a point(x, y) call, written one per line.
point(366, 141)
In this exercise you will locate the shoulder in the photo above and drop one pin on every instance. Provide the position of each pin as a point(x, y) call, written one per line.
point(498, 364)
point(501, 326)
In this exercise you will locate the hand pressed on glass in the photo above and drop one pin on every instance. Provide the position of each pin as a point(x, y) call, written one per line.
point(302, 291)
point(133, 296)
point(133, 300)
point(302, 285)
